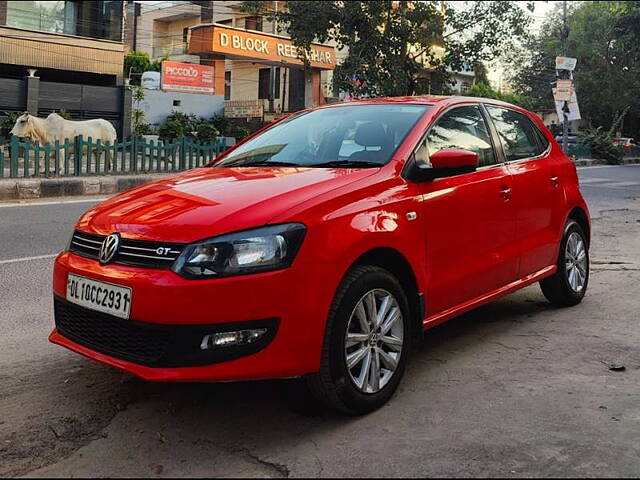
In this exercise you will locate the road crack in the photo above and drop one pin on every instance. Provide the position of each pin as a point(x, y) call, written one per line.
point(280, 469)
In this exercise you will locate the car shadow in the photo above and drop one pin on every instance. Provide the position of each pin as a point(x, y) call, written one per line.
point(291, 396)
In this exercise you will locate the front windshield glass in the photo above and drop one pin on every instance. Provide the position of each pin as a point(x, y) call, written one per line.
point(345, 136)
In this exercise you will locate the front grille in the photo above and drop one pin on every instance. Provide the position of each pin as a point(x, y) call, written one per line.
point(137, 342)
point(139, 253)
point(150, 344)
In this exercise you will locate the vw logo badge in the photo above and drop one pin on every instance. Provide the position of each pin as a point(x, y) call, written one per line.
point(109, 248)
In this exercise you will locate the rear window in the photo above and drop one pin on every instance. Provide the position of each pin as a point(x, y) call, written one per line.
point(519, 137)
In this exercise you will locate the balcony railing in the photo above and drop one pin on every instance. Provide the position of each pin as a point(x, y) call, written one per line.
point(172, 49)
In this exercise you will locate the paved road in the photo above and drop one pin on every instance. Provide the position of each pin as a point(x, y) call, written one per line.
point(515, 388)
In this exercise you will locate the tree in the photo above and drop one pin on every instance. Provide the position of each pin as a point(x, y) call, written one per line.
point(605, 39)
point(481, 89)
point(137, 62)
point(399, 47)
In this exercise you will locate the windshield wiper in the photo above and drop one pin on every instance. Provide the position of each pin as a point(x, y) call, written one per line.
point(347, 164)
point(260, 163)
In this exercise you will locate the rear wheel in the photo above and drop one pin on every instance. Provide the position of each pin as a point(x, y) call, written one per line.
point(568, 285)
point(366, 342)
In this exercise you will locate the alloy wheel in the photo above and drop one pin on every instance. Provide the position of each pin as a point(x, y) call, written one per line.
point(374, 340)
point(575, 256)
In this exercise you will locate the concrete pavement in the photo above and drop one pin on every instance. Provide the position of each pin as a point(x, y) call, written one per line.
point(515, 388)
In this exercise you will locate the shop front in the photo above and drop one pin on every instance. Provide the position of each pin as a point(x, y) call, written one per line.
point(260, 71)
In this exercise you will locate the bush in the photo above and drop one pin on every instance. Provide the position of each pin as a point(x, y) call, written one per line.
point(602, 146)
point(171, 129)
point(207, 132)
point(238, 132)
point(222, 124)
point(188, 121)
point(601, 141)
point(7, 122)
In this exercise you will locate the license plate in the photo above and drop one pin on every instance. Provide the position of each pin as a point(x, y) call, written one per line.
point(101, 296)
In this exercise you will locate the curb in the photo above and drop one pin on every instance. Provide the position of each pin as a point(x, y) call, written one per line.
point(27, 188)
point(588, 162)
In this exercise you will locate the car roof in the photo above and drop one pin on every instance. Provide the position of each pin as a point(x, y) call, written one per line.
point(422, 100)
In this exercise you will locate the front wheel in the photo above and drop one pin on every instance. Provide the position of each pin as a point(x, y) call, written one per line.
point(366, 342)
point(568, 285)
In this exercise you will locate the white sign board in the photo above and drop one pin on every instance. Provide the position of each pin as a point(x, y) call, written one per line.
point(563, 91)
point(565, 63)
point(574, 109)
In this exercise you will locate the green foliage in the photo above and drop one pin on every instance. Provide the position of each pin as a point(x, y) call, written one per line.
point(64, 114)
point(480, 89)
point(601, 140)
point(179, 124)
point(188, 121)
point(394, 45)
point(7, 122)
point(140, 127)
point(601, 143)
point(605, 39)
point(207, 132)
point(137, 62)
point(222, 124)
point(137, 92)
point(171, 129)
point(238, 132)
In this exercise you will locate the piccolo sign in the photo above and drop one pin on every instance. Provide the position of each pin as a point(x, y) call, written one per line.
point(237, 43)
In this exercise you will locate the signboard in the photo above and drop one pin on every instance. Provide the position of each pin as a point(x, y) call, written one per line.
point(563, 91)
point(574, 109)
point(243, 108)
point(241, 44)
point(565, 63)
point(187, 77)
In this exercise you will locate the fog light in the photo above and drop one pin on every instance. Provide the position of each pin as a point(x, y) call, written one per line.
point(228, 339)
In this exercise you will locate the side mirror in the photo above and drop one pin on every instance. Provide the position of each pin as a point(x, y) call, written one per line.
point(444, 163)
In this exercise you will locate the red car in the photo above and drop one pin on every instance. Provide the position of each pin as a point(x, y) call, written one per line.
point(323, 246)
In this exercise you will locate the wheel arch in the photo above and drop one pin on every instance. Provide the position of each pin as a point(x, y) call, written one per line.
point(397, 264)
point(580, 216)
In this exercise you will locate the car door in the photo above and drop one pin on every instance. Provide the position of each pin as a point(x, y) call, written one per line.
point(536, 192)
point(468, 218)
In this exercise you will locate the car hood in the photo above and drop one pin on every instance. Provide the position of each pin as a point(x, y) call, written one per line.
point(205, 202)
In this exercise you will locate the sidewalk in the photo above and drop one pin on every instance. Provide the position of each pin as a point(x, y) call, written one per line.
point(25, 188)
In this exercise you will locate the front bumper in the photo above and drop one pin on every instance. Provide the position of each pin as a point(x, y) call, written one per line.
point(179, 311)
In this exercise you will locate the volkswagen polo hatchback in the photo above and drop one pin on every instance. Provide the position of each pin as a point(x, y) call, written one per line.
point(323, 246)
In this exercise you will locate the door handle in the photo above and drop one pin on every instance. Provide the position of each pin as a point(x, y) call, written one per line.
point(554, 181)
point(505, 192)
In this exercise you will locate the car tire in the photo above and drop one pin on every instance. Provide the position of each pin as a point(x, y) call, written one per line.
point(349, 390)
point(568, 285)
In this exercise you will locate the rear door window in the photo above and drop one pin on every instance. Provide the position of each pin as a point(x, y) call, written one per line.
point(517, 134)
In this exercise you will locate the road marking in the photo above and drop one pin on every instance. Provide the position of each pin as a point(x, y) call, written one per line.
point(60, 202)
point(27, 259)
point(593, 180)
point(593, 167)
point(623, 184)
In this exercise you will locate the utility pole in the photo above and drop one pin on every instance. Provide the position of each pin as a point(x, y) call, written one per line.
point(565, 75)
point(272, 70)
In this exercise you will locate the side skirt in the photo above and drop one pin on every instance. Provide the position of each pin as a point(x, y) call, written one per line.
point(445, 315)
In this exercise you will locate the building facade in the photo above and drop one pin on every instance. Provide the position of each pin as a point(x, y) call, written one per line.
point(64, 55)
point(63, 40)
point(257, 69)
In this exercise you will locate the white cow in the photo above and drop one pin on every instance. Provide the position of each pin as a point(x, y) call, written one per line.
point(54, 127)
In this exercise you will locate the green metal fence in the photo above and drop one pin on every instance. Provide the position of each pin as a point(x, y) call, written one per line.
point(578, 150)
point(80, 157)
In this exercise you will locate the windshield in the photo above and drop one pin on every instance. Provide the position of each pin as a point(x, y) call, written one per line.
point(352, 136)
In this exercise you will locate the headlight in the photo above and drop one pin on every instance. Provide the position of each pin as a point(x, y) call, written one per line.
point(250, 251)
